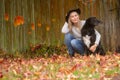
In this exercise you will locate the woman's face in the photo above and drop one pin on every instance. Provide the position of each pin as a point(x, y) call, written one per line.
point(74, 17)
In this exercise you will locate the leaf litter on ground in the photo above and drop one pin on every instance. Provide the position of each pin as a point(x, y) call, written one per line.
point(61, 67)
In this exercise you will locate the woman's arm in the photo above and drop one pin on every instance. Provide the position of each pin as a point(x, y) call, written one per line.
point(98, 36)
point(65, 28)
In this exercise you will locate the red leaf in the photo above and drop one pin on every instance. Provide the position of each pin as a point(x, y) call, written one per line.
point(1, 75)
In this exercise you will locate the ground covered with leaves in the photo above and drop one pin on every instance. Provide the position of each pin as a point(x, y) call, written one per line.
point(61, 67)
point(44, 62)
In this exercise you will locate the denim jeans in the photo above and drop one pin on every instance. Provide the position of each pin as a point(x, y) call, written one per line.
point(74, 45)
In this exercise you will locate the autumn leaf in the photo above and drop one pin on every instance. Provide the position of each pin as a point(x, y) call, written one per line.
point(6, 17)
point(1, 60)
point(1, 75)
point(65, 70)
point(47, 28)
point(75, 67)
point(61, 67)
point(19, 20)
point(32, 26)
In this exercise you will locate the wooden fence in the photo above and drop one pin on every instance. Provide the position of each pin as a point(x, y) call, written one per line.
point(24, 23)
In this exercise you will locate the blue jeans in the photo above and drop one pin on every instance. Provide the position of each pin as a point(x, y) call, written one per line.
point(74, 45)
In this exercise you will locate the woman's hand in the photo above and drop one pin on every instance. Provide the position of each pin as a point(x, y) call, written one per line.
point(93, 48)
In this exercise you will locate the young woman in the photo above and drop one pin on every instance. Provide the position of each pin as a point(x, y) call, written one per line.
point(72, 30)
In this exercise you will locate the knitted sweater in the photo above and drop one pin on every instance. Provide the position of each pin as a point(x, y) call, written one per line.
point(77, 33)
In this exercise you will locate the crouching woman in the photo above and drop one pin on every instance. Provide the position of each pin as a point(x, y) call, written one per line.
point(72, 30)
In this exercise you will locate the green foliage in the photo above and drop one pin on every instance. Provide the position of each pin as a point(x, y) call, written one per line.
point(36, 51)
point(45, 50)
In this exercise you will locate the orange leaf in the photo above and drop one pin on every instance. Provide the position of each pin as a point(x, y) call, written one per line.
point(6, 17)
point(1, 60)
point(19, 20)
point(32, 26)
point(75, 67)
point(64, 70)
point(47, 28)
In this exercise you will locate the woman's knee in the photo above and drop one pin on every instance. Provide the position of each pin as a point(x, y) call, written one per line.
point(78, 46)
point(76, 43)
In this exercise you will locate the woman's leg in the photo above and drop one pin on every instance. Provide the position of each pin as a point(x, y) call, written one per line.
point(68, 38)
point(78, 45)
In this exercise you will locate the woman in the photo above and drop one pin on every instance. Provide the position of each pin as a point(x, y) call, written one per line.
point(72, 30)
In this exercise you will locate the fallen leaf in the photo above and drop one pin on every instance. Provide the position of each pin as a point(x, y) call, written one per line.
point(1, 60)
point(1, 75)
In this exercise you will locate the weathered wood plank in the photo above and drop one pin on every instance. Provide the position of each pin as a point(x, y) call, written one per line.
point(43, 20)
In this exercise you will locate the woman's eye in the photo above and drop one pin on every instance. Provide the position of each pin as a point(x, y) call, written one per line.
point(75, 15)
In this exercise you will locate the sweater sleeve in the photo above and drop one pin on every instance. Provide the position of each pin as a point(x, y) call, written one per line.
point(98, 36)
point(65, 28)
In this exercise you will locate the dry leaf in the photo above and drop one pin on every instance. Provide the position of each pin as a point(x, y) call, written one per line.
point(6, 17)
